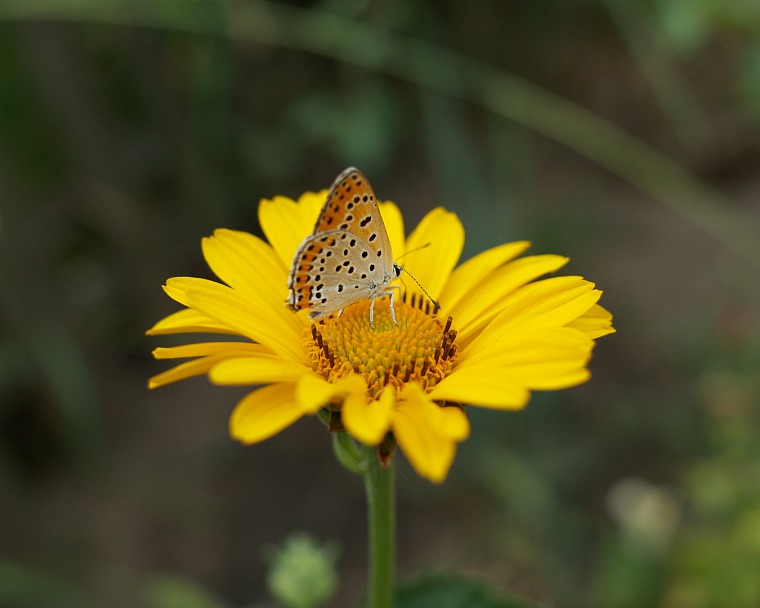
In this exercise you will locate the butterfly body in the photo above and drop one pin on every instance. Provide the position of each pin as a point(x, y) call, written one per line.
point(348, 256)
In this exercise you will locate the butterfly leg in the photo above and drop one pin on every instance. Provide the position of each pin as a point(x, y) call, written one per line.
point(372, 313)
point(340, 313)
point(392, 290)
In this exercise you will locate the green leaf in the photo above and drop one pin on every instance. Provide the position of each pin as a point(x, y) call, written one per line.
point(454, 591)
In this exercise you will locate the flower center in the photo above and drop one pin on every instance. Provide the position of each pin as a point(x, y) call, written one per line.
point(419, 349)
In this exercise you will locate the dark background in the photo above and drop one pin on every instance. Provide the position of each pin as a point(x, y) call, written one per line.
point(622, 134)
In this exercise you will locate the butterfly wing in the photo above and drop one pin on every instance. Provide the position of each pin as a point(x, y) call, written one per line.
point(351, 205)
point(348, 256)
point(332, 270)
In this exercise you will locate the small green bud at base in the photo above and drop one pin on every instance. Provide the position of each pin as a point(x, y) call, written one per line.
point(302, 574)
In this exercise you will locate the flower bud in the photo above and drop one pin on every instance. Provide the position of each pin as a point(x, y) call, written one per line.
point(302, 573)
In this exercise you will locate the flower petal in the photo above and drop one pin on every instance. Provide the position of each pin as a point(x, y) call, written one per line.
point(265, 412)
point(188, 321)
point(471, 386)
point(500, 375)
point(440, 236)
point(429, 451)
point(314, 392)
point(449, 421)
point(544, 375)
point(394, 226)
point(454, 423)
point(189, 369)
point(175, 289)
point(286, 223)
point(486, 300)
point(201, 349)
point(515, 347)
point(247, 263)
point(239, 314)
point(210, 353)
point(595, 323)
point(469, 274)
point(256, 370)
point(555, 378)
point(251, 267)
point(368, 421)
point(545, 304)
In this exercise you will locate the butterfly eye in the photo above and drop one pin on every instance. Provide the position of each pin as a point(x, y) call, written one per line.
point(397, 269)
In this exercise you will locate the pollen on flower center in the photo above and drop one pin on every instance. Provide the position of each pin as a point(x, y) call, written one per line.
point(419, 349)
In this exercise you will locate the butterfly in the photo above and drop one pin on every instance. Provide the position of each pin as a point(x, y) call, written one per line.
point(348, 256)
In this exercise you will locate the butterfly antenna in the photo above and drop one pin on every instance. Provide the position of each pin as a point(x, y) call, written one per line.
point(436, 304)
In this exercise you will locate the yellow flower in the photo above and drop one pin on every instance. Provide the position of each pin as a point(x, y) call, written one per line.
point(499, 334)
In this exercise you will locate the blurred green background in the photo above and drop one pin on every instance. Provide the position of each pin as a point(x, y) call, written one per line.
point(622, 134)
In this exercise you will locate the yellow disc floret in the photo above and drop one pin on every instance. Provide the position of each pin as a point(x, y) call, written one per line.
point(419, 349)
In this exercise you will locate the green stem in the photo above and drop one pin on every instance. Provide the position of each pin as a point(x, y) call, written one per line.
point(379, 482)
point(348, 453)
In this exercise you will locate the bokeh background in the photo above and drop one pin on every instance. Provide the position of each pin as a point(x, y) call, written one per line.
point(623, 134)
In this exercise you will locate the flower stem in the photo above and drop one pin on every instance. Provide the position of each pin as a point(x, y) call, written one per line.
point(379, 482)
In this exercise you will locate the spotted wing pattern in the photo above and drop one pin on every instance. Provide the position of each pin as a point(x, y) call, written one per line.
point(351, 206)
point(348, 257)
